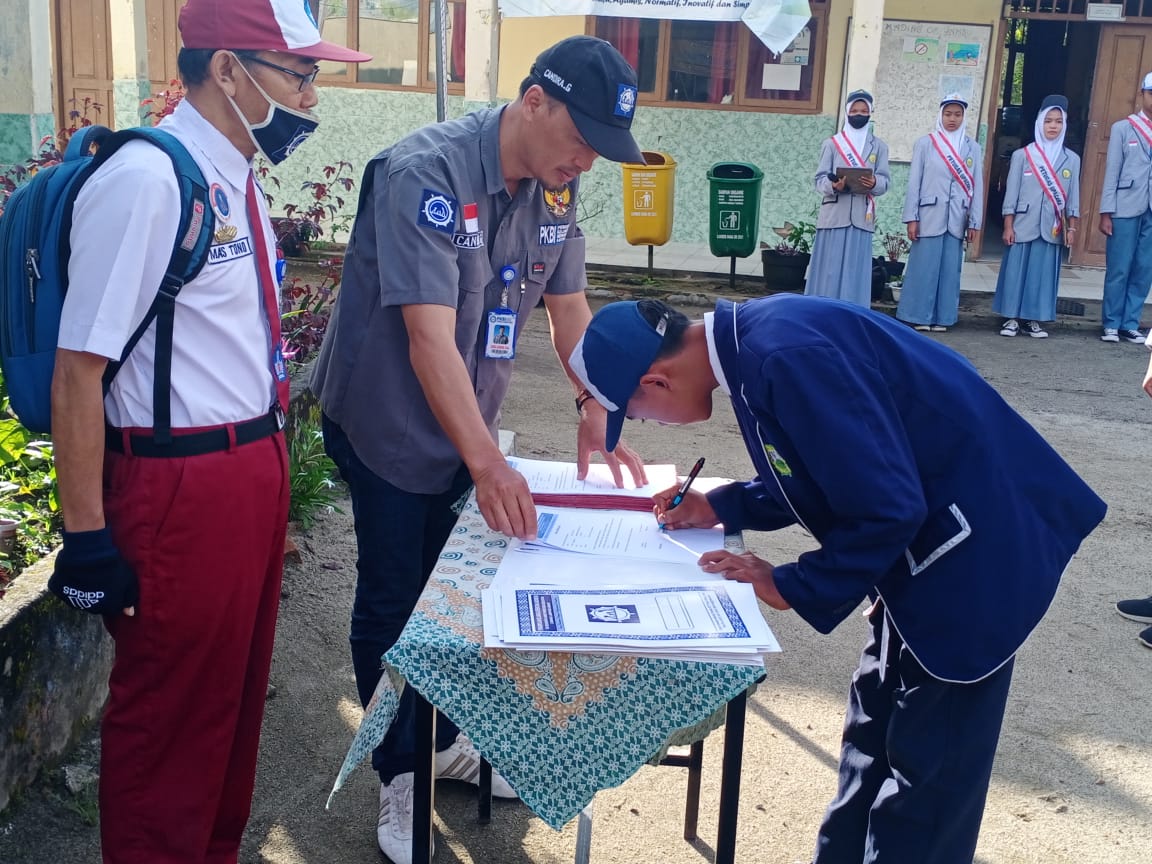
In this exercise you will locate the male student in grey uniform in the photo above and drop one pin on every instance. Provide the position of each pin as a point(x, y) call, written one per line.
point(462, 227)
point(1126, 220)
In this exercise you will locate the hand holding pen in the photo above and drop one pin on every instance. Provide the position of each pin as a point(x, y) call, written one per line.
point(692, 509)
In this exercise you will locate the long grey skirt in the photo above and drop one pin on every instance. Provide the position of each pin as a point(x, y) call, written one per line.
point(841, 265)
point(1028, 282)
point(931, 290)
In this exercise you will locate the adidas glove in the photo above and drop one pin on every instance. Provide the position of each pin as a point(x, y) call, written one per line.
point(92, 576)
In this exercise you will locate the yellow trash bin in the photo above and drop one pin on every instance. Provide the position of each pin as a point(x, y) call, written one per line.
point(649, 193)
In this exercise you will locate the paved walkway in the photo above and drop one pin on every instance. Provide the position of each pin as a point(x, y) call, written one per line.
point(1077, 283)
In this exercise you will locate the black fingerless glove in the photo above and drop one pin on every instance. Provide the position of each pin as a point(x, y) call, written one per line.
point(92, 576)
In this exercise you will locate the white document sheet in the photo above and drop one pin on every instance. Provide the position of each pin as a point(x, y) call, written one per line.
point(559, 478)
point(620, 534)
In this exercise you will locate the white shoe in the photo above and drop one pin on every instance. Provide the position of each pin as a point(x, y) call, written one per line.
point(1111, 334)
point(923, 328)
point(939, 328)
point(394, 824)
point(1033, 329)
point(1011, 327)
point(461, 761)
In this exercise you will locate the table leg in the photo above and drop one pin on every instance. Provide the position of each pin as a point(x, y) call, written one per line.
point(730, 779)
point(692, 801)
point(424, 785)
point(484, 816)
point(584, 835)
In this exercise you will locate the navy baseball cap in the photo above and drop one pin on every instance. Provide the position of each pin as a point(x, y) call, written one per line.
point(598, 88)
point(614, 353)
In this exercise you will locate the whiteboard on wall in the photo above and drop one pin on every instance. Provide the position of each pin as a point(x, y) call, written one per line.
point(920, 63)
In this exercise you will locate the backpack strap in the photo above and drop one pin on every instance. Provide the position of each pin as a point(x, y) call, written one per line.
point(189, 254)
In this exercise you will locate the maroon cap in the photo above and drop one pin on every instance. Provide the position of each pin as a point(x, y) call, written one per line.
point(260, 25)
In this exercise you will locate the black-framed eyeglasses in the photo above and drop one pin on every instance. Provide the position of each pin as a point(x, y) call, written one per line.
point(306, 78)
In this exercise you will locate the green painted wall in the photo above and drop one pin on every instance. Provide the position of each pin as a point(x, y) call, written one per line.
point(357, 124)
point(20, 136)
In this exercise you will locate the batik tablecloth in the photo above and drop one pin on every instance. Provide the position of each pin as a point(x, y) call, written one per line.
point(557, 726)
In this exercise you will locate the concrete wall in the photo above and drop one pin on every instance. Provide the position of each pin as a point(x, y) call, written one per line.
point(54, 665)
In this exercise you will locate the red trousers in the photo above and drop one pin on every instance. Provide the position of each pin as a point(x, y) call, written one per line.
point(205, 536)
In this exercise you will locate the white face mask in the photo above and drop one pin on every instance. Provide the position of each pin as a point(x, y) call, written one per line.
point(282, 130)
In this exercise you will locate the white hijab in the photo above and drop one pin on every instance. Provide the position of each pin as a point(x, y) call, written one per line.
point(858, 137)
point(1052, 149)
point(956, 139)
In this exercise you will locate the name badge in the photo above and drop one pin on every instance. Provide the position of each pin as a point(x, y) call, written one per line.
point(279, 367)
point(501, 343)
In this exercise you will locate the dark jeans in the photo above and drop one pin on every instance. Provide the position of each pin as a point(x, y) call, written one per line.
point(399, 536)
point(915, 761)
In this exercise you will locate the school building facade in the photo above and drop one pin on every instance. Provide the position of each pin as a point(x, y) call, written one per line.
point(710, 91)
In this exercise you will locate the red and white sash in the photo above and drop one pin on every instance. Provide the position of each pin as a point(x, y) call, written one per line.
point(850, 155)
point(1046, 177)
point(955, 164)
point(1143, 128)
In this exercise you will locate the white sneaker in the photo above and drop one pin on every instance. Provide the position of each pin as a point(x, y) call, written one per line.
point(1033, 329)
point(461, 761)
point(394, 824)
point(923, 328)
point(1011, 327)
point(1111, 334)
point(939, 328)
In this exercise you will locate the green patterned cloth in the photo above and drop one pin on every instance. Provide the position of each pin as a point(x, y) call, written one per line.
point(558, 726)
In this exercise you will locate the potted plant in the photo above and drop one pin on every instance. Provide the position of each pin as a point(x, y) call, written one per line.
point(895, 246)
point(786, 263)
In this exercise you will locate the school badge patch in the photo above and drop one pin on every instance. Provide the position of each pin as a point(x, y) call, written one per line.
point(872, 158)
point(777, 461)
point(968, 161)
point(1067, 174)
point(438, 211)
point(558, 201)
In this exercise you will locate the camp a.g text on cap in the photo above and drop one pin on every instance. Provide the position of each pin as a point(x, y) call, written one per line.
point(557, 80)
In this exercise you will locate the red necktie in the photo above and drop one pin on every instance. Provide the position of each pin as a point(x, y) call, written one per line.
point(268, 289)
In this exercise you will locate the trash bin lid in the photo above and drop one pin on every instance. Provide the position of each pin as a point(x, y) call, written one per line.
point(734, 171)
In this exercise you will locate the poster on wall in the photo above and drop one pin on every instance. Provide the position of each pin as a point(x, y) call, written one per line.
point(775, 22)
point(920, 63)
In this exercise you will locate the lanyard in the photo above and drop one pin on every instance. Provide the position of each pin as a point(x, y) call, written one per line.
point(268, 294)
point(955, 164)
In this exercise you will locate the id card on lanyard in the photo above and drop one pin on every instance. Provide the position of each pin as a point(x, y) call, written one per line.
point(500, 343)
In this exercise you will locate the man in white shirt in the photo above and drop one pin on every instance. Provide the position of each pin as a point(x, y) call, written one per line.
point(175, 518)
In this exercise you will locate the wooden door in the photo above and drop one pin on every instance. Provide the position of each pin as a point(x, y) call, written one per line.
point(1125, 55)
point(163, 41)
point(83, 62)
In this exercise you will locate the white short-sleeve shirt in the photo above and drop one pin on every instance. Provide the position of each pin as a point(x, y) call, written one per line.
point(123, 230)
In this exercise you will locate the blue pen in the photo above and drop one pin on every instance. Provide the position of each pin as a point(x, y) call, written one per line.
point(685, 486)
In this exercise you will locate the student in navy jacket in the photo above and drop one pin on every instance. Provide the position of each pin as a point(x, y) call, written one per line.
point(928, 495)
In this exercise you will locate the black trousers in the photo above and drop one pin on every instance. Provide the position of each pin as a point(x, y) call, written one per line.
point(915, 763)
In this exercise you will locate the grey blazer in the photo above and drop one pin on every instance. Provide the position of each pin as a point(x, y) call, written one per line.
point(935, 199)
point(1026, 199)
point(844, 209)
point(1127, 189)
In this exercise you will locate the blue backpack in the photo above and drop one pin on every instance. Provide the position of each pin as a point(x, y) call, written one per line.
point(35, 242)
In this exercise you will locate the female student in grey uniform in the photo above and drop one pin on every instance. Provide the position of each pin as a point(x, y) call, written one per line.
point(943, 208)
point(842, 252)
point(1041, 212)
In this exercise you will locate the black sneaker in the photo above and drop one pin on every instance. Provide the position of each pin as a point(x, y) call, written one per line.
point(1132, 336)
point(1136, 610)
point(1145, 637)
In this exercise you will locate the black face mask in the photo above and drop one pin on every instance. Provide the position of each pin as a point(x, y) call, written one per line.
point(858, 121)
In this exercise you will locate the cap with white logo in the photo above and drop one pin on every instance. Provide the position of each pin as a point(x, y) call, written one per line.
point(287, 26)
point(598, 87)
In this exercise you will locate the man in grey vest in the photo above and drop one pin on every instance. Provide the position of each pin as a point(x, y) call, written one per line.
point(1126, 220)
point(462, 228)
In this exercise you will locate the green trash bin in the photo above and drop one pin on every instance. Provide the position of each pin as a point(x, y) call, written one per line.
point(734, 209)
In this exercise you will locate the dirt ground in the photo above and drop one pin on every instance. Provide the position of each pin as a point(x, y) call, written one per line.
point(1073, 778)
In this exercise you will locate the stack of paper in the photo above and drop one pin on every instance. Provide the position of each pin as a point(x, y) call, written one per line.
point(611, 582)
point(713, 621)
point(555, 484)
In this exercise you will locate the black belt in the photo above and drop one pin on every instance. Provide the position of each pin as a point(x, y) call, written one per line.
point(195, 443)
